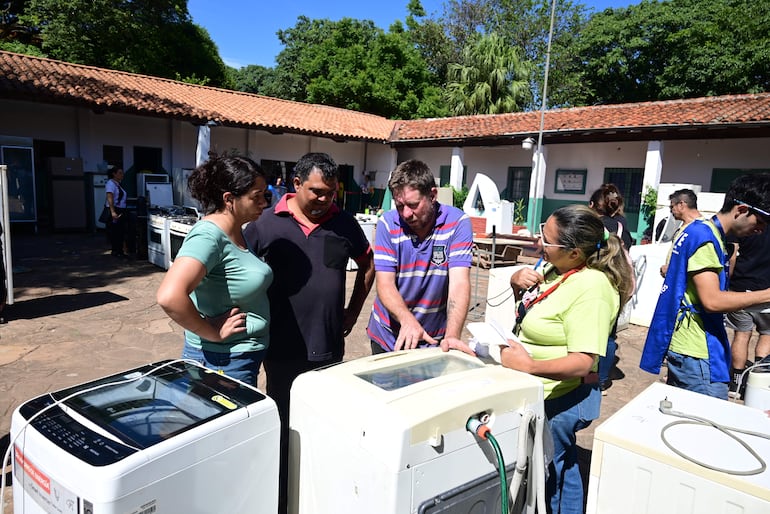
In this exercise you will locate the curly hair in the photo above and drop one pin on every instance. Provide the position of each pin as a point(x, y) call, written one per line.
point(581, 228)
point(215, 177)
point(607, 200)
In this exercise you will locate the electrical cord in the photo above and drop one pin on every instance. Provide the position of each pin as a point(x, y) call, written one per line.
point(12, 443)
point(510, 294)
point(666, 407)
point(748, 370)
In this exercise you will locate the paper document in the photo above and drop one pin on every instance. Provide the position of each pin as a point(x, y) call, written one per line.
point(490, 332)
point(488, 338)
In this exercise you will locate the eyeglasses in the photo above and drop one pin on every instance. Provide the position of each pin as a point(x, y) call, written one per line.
point(763, 216)
point(544, 243)
point(671, 207)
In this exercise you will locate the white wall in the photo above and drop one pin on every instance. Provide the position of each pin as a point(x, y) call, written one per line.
point(683, 161)
point(84, 133)
point(692, 162)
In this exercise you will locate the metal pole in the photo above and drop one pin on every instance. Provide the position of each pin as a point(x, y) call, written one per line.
point(536, 205)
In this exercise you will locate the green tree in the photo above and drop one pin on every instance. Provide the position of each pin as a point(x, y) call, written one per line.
point(254, 79)
point(675, 49)
point(491, 79)
point(14, 35)
point(523, 24)
point(154, 37)
point(353, 64)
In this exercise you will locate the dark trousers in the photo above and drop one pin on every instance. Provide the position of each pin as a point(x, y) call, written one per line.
point(122, 231)
point(280, 377)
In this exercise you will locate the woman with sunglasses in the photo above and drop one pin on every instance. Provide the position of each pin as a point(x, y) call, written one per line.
point(567, 310)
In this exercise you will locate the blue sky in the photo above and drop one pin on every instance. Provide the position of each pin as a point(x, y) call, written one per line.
point(245, 30)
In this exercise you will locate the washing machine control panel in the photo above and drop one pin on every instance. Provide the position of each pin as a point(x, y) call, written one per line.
point(70, 435)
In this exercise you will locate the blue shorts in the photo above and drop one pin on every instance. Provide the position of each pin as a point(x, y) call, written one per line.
point(693, 374)
point(242, 366)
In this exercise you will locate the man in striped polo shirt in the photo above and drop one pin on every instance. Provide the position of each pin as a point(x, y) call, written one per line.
point(422, 261)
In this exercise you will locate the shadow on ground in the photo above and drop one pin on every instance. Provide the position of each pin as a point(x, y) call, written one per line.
point(60, 303)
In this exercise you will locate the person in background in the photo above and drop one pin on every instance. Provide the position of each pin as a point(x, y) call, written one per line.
point(750, 272)
point(687, 326)
point(366, 192)
point(607, 201)
point(277, 190)
point(217, 288)
point(564, 320)
point(684, 208)
point(422, 261)
point(340, 199)
point(120, 228)
point(307, 240)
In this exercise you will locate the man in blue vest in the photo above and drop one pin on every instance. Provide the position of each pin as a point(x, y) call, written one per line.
point(687, 327)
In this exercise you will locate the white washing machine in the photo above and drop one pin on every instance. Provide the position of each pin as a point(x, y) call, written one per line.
point(633, 470)
point(368, 223)
point(386, 433)
point(169, 437)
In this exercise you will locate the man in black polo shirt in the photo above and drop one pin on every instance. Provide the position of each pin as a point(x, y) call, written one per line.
point(307, 241)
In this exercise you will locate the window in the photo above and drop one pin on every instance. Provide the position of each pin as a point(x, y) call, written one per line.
point(722, 177)
point(445, 173)
point(148, 159)
point(113, 155)
point(517, 184)
point(629, 182)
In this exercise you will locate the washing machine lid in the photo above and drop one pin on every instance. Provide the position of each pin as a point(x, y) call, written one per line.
point(394, 377)
point(147, 405)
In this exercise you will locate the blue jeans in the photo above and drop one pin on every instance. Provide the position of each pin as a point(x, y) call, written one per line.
point(693, 374)
point(566, 415)
point(243, 366)
point(608, 361)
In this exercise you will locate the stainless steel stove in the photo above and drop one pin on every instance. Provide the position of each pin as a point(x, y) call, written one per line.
point(159, 220)
point(178, 228)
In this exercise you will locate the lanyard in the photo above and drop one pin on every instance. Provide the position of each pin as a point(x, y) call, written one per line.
point(527, 304)
point(542, 296)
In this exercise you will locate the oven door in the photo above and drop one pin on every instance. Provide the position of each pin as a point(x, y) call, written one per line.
point(156, 253)
point(177, 238)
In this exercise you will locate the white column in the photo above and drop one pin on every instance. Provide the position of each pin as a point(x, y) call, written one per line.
point(536, 188)
point(456, 170)
point(653, 168)
point(653, 165)
point(204, 143)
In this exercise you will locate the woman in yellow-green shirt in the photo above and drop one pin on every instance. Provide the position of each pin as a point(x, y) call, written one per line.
point(567, 310)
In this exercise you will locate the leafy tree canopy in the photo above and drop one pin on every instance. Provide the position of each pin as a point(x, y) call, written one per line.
point(353, 64)
point(254, 79)
point(153, 37)
point(522, 24)
point(674, 49)
point(492, 79)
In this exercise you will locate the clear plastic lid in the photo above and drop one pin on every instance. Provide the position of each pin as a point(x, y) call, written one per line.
point(392, 378)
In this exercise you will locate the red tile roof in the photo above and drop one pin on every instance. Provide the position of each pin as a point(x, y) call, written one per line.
point(720, 111)
point(34, 78)
point(45, 80)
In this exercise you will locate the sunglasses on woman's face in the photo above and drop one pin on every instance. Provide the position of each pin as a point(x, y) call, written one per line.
point(544, 242)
